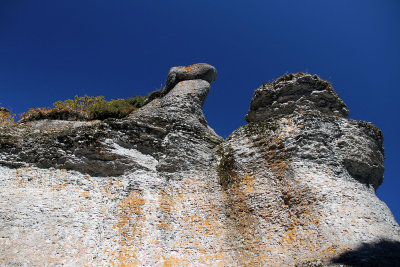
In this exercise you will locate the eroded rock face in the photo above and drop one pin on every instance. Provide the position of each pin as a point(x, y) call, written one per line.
point(171, 131)
point(294, 187)
point(295, 93)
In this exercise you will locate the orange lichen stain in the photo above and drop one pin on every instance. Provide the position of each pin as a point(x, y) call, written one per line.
point(20, 181)
point(60, 187)
point(112, 182)
point(331, 250)
point(173, 261)
point(163, 225)
point(248, 182)
point(127, 257)
point(290, 236)
point(166, 202)
point(190, 68)
point(108, 191)
point(118, 183)
point(85, 194)
point(196, 225)
point(129, 228)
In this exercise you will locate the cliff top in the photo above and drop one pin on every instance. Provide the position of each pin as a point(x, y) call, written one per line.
point(298, 92)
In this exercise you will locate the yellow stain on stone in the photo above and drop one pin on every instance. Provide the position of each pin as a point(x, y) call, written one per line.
point(173, 261)
point(190, 68)
point(129, 227)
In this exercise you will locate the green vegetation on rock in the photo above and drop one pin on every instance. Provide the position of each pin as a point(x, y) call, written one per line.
point(226, 166)
point(6, 118)
point(86, 108)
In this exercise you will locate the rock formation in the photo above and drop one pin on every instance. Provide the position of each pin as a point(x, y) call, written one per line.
point(294, 187)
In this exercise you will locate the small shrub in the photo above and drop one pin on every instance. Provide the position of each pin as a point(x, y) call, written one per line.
point(137, 101)
point(80, 103)
point(37, 113)
point(6, 118)
point(7, 121)
point(86, 108)
point(119, 108)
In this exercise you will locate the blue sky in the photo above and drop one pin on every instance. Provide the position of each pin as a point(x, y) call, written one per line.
point(52, 50)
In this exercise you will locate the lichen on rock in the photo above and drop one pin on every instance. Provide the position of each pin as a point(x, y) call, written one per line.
point(294, 187)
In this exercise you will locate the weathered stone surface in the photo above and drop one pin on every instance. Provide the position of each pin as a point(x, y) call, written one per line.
point(161, 188)
point(291, 174)
point(171, 132)
point(295, 93)
point(202, 71)
point(188, 140)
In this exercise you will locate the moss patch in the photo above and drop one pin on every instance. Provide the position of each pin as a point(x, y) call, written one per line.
point(227, 165)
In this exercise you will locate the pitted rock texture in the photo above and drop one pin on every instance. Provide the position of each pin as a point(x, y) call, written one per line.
point(295, 93)
point(290, 180)
point(160, 188)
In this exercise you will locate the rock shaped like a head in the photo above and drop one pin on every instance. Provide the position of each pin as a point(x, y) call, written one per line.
point(186, 139)
point(292, 93)
point(199, 71)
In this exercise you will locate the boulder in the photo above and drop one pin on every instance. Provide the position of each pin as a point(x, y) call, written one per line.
point(202, 71)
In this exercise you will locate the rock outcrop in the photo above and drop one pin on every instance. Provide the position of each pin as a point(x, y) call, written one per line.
point(294, 187)
point(170, 131)
point(295, 93)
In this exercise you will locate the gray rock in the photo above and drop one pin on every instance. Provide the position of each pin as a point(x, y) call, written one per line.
point(294, 187)
point(171, 130)
point(301, 179)
point(200, 71)
point(188, 140)
point(295, 93)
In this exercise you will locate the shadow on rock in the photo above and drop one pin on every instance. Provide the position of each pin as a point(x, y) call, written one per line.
point(381, 253)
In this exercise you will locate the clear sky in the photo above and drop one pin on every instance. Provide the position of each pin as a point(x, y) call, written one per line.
point(53, 50)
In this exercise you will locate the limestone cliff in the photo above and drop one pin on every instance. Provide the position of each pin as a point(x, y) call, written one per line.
point(294, 187)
